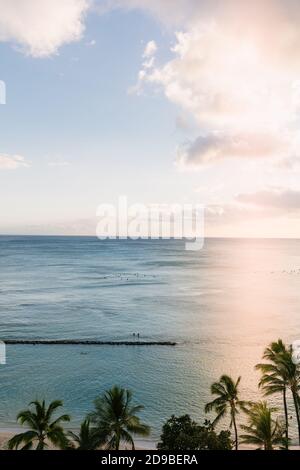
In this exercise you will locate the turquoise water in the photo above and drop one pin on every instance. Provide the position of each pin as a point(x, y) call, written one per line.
point(222, 305)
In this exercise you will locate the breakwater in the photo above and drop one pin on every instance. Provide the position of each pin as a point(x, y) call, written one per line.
point(73, 342)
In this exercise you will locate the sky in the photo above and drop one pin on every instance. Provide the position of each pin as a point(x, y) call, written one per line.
point(164, 101)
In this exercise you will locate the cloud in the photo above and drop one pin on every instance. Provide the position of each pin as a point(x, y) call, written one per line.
point(278, 198)
point(217, 146)
point(91, 43)
point(150, 49)
point(288, 163)
point(235, 70)
point(170, 12)
point(12, 162)
point(41, 27)
point(149, 56)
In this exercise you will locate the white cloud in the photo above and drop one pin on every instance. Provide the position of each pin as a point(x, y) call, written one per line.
point(12, 162)
point(41, 27)
point(235, 70)
point(91, 43)
point(217, 146)
point(171, 12)
point(288, 163)
point(277, 198)
point(150, 49)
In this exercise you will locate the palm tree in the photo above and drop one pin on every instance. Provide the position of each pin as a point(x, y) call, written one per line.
point(263, 431)
point(116, 418)
point(227, 401)
point(279, 375)
point(38, 418)
point(274, 378)
point(88, 438)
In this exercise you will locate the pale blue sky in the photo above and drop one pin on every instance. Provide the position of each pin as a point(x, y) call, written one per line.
point(87, 135)
point(74, 110)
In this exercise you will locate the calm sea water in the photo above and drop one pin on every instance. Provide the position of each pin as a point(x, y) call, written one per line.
point(222, 305)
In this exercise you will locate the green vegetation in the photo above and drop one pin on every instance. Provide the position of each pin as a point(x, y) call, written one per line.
point(263, 431)
point(87, 439)
point(115, 422)
point(279, 376)
point(180, 434)
point(43, 427)
point(227, 401)
point(115, 417)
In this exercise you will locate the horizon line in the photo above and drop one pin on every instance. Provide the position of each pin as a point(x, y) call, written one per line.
point(146, 239)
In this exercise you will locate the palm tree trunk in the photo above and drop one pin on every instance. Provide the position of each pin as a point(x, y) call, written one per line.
point(118, 441)
point(235, 431)
point(295, 398)
point(286, 419)
point(41, 444)
point(268, 446)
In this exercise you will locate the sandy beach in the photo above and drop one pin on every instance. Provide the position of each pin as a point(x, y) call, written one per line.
point(7, 434)
point(4, 437)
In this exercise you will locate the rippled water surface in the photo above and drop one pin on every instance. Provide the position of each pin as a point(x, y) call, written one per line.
point(222, 305)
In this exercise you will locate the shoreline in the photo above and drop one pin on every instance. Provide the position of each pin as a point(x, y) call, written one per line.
point(8, 432)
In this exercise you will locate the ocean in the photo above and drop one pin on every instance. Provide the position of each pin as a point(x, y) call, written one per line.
point(222, 306)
